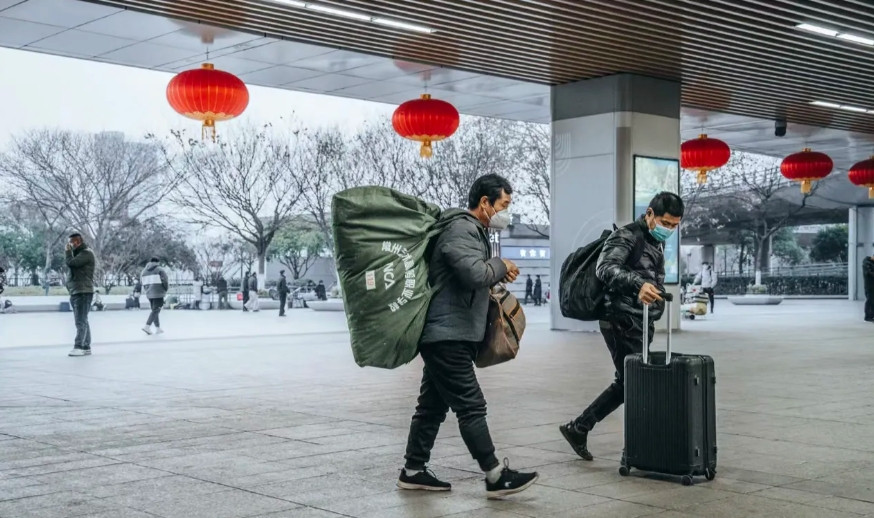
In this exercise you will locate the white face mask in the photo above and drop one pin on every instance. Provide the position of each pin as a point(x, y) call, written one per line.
point(499, 220)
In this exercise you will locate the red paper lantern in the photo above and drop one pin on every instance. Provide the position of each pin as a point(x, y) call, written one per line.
point(862, 174)
point(806, 167)
point(704, 154)
point(425, 120)
point(208, 95)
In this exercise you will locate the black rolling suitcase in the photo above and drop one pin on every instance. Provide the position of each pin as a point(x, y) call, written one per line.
point(670, 412)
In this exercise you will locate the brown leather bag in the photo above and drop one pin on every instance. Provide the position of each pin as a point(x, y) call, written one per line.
point(506, 323)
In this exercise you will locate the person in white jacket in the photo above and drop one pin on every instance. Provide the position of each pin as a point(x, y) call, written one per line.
point(707, 279)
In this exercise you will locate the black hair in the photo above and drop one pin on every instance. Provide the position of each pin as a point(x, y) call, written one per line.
point(154, 260)
point(491, 186)
point(75, 234)
point(667, 203)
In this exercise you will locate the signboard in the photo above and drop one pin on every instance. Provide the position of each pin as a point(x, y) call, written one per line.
point(523, 253)
point(652, 176)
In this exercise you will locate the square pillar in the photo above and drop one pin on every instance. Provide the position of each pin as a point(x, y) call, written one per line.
point(860, 246)
point(598, 126)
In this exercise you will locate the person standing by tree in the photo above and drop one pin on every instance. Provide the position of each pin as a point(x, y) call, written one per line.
point(221, 286)
point(707, 279)
point(321, 292)
point(529, 289)
point(283, 292)
point(538, 291)
point(244, 289)
point(80, 260)
point(156, 283)
point(868, 273)
point(196, 292)
point(253, 303)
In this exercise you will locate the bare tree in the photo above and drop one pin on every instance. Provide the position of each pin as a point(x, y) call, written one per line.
point(379, 156)
point(326, 170)
point(480, 146)
point(214, 259)
point(749, 193)
point(533, 141)
point(97, 184)
point(248, 183)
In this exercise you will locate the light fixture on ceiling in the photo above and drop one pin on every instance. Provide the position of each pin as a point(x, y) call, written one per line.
point(343, 13)
point(846, 107)
point(856, 39)
point(816, 29)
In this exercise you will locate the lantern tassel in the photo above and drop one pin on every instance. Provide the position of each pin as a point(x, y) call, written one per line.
point(426, 151)
point(806, 186)
point(208, 128)
point(702, 177)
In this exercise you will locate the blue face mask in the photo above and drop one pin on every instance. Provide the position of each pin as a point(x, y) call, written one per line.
point(661, 233)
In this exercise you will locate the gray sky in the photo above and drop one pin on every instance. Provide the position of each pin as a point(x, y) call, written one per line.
point(40, 90)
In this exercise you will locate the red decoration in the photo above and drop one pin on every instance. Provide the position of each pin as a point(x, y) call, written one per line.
point(704, 154)
point(425, 120)
point(862, 174)
point(806, 167)
point(208, 95)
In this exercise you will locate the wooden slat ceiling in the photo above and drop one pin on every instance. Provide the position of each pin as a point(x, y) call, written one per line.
point(737, 56)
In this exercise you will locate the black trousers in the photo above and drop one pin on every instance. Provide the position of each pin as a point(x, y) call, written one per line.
point(223, 300)
point(623, 336)
point(709, 292)
point(81, 305)
point(155, 305)
point(283, 297)
point(449, 381)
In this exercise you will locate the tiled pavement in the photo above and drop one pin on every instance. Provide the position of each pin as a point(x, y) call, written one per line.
point(288, 426)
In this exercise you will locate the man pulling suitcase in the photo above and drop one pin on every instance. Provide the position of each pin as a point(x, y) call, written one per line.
point(629, 287)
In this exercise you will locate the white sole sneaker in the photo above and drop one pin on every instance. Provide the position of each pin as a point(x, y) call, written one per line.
point(491, 495)
point(420, 487)
point(159, 331)
point(147, 330)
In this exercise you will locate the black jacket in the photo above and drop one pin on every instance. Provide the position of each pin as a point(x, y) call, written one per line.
point(221, 285)
point(868, 274)
point(283, 285)
point(624, 281)
point(462, 272)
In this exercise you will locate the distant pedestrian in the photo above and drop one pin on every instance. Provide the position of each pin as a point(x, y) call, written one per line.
point(138, 292)
point(868, 273)
point(707, 279)
point(253, 303)
point(283, 292)
point(221, 286)
point(80, 260)
point(156, 284)
point(2, 279)
point(538, 291)
point(196, 292)
point(96, 302)
point(321, 293)
point(244, 289)
point(529, 289)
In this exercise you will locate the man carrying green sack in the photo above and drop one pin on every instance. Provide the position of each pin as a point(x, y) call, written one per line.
point(430, 279)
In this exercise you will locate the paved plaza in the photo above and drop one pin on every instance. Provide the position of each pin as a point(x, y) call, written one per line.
point(231, 415)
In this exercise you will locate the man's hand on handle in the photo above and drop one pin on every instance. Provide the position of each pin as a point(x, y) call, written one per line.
point(649, 293)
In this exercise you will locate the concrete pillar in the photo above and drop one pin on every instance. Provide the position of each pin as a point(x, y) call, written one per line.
point(598, 126)
point(860, 245)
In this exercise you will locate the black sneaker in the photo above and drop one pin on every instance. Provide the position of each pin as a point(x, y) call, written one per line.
point(423, 480)
point(510, 483)
point(576, 439)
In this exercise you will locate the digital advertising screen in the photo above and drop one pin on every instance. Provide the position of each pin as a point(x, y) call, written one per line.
point(652, 176)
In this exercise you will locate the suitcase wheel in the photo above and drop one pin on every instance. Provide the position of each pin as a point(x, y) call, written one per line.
point(687, 480)
point(710, 473)
point(624, 471)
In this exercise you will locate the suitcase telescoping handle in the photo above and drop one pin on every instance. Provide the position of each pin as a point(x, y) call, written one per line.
point(668, 300)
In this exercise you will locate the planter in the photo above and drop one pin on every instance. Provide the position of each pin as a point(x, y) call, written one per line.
point(326, 305)
point(756, 300)
point(263, 303)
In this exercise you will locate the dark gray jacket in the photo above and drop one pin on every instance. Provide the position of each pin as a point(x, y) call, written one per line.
point(624, 281)
point(155, 281)
point(81, 262)
point(462, 272)
point(282, 288)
